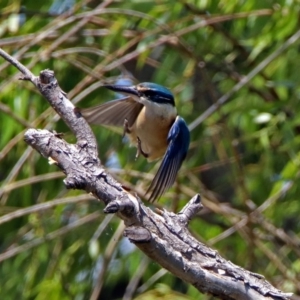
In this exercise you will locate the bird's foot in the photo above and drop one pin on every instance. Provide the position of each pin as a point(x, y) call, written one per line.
point(139, 149)
point(125, 127)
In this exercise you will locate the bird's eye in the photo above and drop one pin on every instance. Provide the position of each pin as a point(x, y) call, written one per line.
point(158, 96)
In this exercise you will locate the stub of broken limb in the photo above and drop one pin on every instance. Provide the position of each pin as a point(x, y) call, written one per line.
point(190, 209)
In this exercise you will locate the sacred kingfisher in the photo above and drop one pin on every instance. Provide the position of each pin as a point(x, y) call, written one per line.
point(149, 118)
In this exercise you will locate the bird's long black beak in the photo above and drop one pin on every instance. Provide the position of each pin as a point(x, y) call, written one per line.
point(130, 90)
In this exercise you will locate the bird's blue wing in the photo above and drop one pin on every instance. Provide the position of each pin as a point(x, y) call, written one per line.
point(178, 144)
point(113, 113)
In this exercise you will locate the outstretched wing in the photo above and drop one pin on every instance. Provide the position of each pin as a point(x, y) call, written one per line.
point(178, 144)
point(113, 113)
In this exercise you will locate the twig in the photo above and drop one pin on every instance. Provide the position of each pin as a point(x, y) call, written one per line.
point(50, 236)
point(27, 74)
point(41, 207)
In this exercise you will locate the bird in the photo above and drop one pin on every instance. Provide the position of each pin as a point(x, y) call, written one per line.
point(149, 118)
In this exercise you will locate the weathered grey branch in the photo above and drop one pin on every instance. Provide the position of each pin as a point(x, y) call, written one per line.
point(163, 236)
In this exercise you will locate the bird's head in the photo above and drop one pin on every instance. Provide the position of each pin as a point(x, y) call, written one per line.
point(146, 91)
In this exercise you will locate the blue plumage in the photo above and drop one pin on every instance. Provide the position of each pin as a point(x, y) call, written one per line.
point(178, 145)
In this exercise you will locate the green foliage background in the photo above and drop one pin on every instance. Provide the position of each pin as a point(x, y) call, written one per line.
point(243, 159)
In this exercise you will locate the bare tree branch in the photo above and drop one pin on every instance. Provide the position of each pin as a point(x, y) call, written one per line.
point(162, 236)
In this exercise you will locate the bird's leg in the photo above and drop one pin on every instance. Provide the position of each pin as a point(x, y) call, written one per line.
point(139, 149)
point(125, 127)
